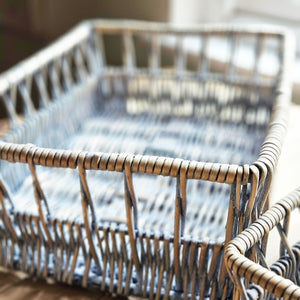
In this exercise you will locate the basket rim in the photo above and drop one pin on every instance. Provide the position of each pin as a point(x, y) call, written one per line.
point(85, 28)
point(270, 150)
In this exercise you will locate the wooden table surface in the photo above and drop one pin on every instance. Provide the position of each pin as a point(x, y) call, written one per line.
point(16, 286)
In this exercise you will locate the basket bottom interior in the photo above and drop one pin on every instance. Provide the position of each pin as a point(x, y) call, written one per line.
point(110, 130)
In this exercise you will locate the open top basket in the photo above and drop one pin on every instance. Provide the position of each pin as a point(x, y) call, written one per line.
point(170, 137)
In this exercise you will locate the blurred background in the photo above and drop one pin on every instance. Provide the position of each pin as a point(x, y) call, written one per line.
point(28, 25)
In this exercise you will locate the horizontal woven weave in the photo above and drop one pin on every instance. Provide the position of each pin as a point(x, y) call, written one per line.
point(112, 130)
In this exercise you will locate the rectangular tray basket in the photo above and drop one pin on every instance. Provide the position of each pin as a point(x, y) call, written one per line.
point(136, 150)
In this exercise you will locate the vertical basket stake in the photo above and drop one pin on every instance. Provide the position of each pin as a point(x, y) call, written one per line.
point(254, 187)
point(285, 244)
point(40, 197)
point(129, 53)
point(265, 178)
point(100, 62)
point(179, 222)
point(180, 56)
point(232, 226)
point(203, 63)
point(44, 101)
point(27, 101)
point(4, 194)
point(154, 63)
point(232, 45)
point(10, 108)
point(99, 51)
point(131, 212)
point(81, 72)
point(86, 202)
point(154, 57)
point(258, 53)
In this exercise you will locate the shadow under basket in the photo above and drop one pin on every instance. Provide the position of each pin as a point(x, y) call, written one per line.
point(136, 151)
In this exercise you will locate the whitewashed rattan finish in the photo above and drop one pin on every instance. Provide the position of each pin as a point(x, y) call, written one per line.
point(170, 242)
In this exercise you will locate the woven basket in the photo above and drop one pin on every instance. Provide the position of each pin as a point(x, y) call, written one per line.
point(258, 280)
point(189, 140)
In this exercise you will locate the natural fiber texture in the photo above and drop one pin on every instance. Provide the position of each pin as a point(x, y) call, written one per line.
point(258, 281)
point(186, 160)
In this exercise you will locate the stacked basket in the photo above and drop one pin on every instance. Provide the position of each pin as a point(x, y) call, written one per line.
point(169, 148)
point(259, 281)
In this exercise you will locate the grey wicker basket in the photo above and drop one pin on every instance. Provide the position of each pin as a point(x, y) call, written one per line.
point(189, 123)
point(253, 277)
